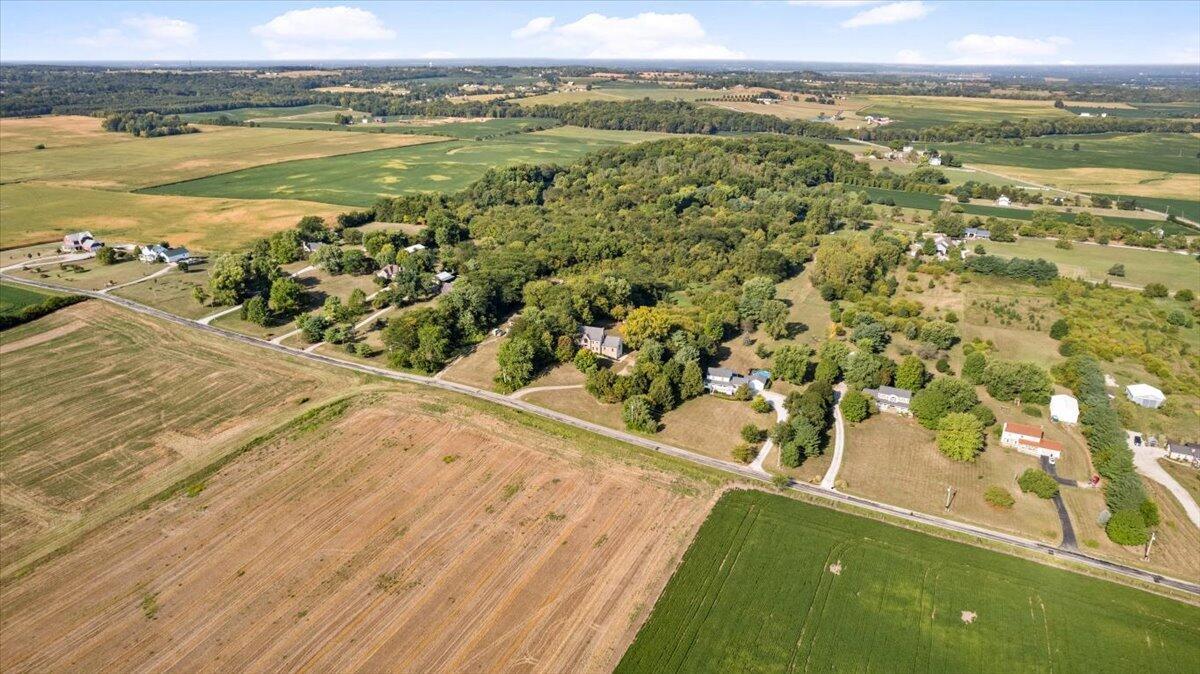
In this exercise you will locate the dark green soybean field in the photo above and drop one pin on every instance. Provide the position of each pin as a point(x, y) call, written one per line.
point(774, 585)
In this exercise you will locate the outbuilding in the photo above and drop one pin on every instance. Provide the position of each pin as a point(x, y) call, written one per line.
point(1184, 451)
point(1145, 395)
point(1064, 409)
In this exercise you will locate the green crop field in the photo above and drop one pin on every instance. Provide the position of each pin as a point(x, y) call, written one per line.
point(1187, 208)
point(13, 297)
point(615, 91)
point(772, 584)
point(1181, 109)
point(915, 112)
point(428, 127)
point(1163, 152)
point(360, 179)
point(246, 114)
point(1092, 262)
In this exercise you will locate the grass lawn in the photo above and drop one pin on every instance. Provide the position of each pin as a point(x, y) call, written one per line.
point(157, 161)
point(247, 114)
point(893, 459)
point(479, 367)
point(35, 212)
point(88, 274)
point(172, 292)
point(1092, 262)
point(15, 297)
point(915, 112)
point(360, 179)
point(710, 425)
point(1185, 475)
point(773, 584)
point(132, 433)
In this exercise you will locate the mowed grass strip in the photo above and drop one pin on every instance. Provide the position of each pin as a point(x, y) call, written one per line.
point(142, 162)
point(359, 180)
point(34, 212)
point(100, 405)
point(1092, 262)
point(773, 584)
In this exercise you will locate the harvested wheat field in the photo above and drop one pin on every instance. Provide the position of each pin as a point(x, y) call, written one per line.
point(103, 408)
point(396, 532)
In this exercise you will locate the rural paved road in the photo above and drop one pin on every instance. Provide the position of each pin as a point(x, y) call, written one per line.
point(727, 466)
point(1145, 459)
point(781, 415)
point(839, 441)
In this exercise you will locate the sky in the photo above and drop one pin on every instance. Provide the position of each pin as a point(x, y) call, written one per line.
point(903, 31)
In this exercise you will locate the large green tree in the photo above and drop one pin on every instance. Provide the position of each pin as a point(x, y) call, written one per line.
point(960, 436)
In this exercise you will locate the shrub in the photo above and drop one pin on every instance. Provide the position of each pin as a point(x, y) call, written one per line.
point(1185, 295)
point(1127, 527)
point(942, 365)
point(743, 453)
point(855, 406)
point(1149, 511)
point(761, 405)
point(1154, 290)
point(973, 367)
point(1039, 482)
point(743, 392)
point(1116, 270)
point(753, 434)
point(998, 497)
point(1059, 329)
point(638, 414)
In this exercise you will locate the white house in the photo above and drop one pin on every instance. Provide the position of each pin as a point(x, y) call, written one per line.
point(414, 248)
point(942, 245)
point(935, 161)
point(598, 341)
point(445, 276)
point(890, 399)
point(758, 380)
point(977, 233)
point(157, 253)
point(1003, 200)
point(80, 241)
point(723, 380)
point(1064, 409)
point(1184, 451)
point(907, 149)
point(1145, 395)
point(1028, 440)
point(1085, 114)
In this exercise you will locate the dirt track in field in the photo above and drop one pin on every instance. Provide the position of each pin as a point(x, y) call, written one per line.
point(402, 536)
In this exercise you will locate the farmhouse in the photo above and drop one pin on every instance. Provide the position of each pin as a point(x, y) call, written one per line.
point(723, 380)
point(942, 244)
point(935, 161)
point(413, 248)
point(1064, 409)
point(889, 399)
point(598, 341)
point(977, 233)
point(1145, 395)
point(157, 253)
point(1029, 440)
point(80, 241)
point(1184, 451)
point(388, 272)
point(1003, 200)
point(311, 247)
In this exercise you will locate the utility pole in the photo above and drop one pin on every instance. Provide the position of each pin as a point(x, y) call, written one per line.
point(950, 492)
point(1149, 545)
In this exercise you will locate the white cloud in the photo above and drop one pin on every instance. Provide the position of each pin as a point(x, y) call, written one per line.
point(321, 32)
point(648, 35)
point(909, 56)
point(1003, 49)
point(144, 33)
point(832, 4)
point(893, 12)
point(535, 26)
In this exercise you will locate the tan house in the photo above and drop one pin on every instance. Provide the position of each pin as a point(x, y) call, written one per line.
point(598, 341)
point(1030, 440)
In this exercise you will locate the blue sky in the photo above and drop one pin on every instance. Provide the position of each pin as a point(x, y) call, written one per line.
point(906, 31)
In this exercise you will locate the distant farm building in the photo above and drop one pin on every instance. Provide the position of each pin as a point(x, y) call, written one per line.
point(311, 247)
point(935, 161)
point(1029, 440)
point(1145, 395)
point(1064, 409)
point(598, 341)
point(977, 233)
point(890, 399)
point(414, 248)
point(80, 241)
point(1003, 200)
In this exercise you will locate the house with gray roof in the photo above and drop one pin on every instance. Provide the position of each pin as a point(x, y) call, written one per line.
point(598, 341)
point(1184, 451)
point(890, 399)
point(724, 381)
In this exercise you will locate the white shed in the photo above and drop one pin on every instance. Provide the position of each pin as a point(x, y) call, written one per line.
point(1145, 395)
point(1064, 409)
